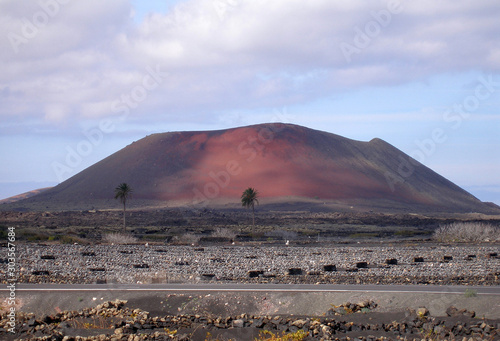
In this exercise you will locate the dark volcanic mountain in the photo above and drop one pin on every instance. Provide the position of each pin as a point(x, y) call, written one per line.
point(282, 161)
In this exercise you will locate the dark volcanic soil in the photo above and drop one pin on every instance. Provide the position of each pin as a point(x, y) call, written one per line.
point(129, 320)
point(178, 221)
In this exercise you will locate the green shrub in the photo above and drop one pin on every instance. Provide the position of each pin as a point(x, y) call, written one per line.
point(3, 232)
point(34, 237)
point(68, 239)
point(270, 336)
point(470, 293)
point(405, 233)
point(364, 235)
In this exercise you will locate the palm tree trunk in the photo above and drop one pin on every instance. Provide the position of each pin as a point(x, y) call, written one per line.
point(124, 225)
point(253, 215)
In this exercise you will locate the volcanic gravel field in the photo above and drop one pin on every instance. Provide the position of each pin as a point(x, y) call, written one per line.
point(415, 264)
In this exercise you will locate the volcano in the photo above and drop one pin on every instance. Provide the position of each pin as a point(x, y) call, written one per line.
point(281, 161)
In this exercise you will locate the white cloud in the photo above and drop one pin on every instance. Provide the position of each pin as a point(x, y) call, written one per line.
point(250, 53)
point(55, 112)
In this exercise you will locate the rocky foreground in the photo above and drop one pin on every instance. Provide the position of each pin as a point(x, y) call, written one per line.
point(402, 264)
point(116, 321)
point(119, 320)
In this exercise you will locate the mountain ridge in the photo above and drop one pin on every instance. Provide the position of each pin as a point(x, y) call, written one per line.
point(279, 160)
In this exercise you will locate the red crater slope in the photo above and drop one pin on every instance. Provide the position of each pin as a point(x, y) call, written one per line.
point(279, 160)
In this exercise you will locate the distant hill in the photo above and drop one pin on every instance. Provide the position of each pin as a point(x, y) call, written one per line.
point(23, 195)
point(283, 162)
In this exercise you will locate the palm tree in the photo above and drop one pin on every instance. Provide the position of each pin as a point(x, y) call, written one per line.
point(248, 199)
point(122, 192)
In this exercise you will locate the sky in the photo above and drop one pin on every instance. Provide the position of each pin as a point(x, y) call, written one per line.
point(80, 80)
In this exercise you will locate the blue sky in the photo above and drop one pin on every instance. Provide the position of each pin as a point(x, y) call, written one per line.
point(81, 80)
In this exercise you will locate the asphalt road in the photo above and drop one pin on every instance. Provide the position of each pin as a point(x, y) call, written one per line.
point(254, 299)
point(430, 289)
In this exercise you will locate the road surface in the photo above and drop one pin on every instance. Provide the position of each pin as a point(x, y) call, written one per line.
point(254, 299)
point(208, 287)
